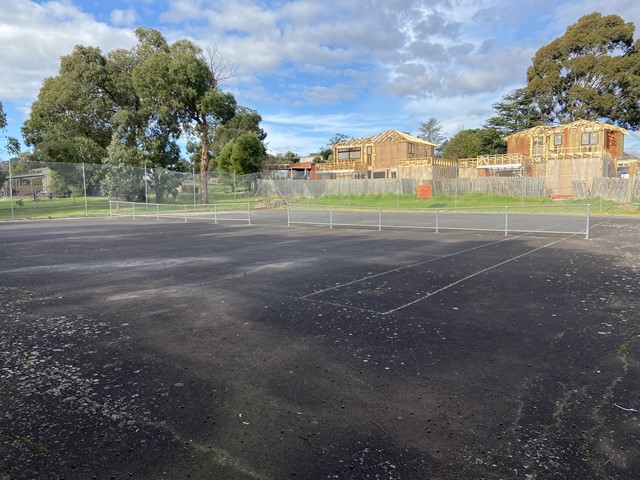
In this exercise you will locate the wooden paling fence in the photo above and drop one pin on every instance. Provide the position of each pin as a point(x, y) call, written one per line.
point(516, 186)
point(621, 190)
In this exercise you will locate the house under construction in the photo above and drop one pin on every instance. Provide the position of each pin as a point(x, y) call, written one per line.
point(562, 154)
point(390, 154)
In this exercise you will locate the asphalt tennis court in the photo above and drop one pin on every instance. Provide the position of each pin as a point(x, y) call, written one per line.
point(162, 349)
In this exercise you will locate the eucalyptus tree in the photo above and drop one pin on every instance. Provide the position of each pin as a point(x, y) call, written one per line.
point(70, 120)
point(178, 84)
point(92, 102)
point(337, 138)
point(591, 72)
point(12, 146)
point(245, 120)
point(3, 118)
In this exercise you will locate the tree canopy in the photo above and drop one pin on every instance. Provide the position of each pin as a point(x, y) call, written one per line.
point(178, 84)
point(516, 112)
point(243, 155)
point(464, 144)
point(245, 120)
point(431, 131)
point(3, 118)
point(337, 138)
point(474, 142)
point(12, 146)
point(92, 102)
point(591, 72)
point(142, 99)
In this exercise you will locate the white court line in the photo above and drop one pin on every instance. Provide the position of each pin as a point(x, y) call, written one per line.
point(399, 269)
point(424, 297)
point(473, 275)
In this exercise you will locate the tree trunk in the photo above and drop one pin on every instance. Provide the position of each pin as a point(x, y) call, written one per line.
point(204, 163)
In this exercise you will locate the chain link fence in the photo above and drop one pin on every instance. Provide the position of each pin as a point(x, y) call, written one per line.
point(41, 189)
point(46, 189)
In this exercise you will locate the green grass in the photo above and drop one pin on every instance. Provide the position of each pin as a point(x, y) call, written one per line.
point(99, 206)
point(54, 208)
point(472, 200)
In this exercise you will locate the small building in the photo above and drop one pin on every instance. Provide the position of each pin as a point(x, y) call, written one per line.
point(385, 155)
point(628, 167)
point(32, 183)
point(302, 171)
point(312, 157)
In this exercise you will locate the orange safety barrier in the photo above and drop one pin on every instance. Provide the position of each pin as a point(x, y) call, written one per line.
point(424, 191)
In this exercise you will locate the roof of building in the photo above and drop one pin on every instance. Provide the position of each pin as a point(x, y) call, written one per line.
point(584, 125)
point(388, 136)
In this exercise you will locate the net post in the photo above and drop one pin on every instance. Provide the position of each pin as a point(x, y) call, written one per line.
point(158, 211)
point(379, 219)
point(110, 209)
point(586, 232)
point(249, 212)
point(437, 218)
point(215, 213)
point(330, 216)
point(185, 214)
point(133, 210)
point(288, 215)
point(506, 221)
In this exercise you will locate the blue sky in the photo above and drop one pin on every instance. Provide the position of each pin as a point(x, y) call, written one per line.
point(313, 68)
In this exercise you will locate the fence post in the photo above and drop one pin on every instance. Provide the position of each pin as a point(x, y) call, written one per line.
point(506, 221)
point(146, 190)
point(11, 190)
point(455, 200)
point(586, 233)
point(632, 188)
point(84, 185)
point(193, 182)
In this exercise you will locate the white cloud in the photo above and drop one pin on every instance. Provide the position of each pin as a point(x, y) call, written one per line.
point(124, 17)
point(182, 10)
point(34, 36)
point(308, 132)
point(454, 58)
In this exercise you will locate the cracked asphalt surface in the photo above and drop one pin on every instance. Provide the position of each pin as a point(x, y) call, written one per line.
point(144, 349)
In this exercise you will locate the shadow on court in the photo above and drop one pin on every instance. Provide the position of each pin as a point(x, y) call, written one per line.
point(145, 349)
